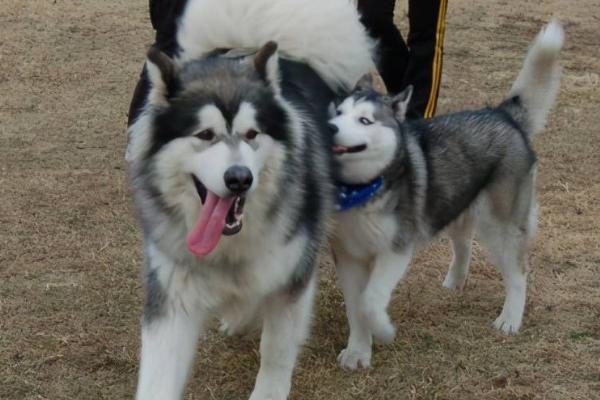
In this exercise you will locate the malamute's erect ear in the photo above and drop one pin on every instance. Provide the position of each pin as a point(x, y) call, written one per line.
point(161, 73)
point(266, 62)
point(400, 103)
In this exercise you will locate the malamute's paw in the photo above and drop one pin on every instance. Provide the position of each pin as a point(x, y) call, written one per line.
point(453, 282)
point(508, 324)
point(355, 358)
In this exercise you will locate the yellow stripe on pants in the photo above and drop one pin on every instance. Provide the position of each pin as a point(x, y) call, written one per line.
point(437, 60)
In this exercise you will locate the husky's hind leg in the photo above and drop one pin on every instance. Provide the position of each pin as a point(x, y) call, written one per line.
point(461, 235)
point(389, 268)
point(513, 266)
point(286, 322)
point(506, 239)
point(352, 278)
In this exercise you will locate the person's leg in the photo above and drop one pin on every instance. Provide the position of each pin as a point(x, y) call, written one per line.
point(426, 44)
point(378, 19)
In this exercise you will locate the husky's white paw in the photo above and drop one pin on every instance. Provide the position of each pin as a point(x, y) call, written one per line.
point(374, 313)
point(232, 327)
point(273, 393)
point(225, 328)
point(355, 358)
point(381, 326)
point(508, 324)
point(453, 282)
point(267, 397)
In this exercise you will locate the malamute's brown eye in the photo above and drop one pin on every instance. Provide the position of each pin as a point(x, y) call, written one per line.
point(365, 121)
point(251, 134)
point(206, 134)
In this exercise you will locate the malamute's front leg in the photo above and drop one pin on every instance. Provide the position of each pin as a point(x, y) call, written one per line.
point(170, 332)
point(285, 327)
point(389, 268)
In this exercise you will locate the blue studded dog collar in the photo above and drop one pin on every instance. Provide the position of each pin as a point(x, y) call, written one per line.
point(351, 196)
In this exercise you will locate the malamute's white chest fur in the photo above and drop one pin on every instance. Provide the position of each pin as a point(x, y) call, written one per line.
point(232, 283)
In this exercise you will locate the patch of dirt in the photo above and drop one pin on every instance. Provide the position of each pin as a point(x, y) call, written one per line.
point(70, 295)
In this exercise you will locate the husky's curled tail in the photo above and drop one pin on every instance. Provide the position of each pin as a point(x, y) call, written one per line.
point(537, 84)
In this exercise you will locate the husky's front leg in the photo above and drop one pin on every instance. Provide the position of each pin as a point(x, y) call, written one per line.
point(352, 278)
point(389, 268)
point(286, 324)
point(170, 329)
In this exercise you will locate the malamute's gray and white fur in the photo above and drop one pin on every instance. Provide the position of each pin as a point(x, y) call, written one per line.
point(232, 173)
point(467, 171)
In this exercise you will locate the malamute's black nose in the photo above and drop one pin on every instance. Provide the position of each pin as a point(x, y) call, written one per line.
point(333, 129)
point(238, 179)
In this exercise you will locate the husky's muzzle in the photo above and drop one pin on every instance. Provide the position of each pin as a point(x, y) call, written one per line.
point(340, 149)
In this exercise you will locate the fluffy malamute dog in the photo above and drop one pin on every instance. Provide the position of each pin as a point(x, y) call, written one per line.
point(467, 171)
point(232, 173)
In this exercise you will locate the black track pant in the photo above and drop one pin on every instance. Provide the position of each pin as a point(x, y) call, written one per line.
point(419, 60)
point(419, 63)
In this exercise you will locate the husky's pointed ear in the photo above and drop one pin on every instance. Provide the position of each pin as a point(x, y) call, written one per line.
point(266, 62)
point(365, 83)
point(161, 73)
point(400, 103)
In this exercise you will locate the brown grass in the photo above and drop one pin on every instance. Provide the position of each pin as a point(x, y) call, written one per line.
point(70, 296)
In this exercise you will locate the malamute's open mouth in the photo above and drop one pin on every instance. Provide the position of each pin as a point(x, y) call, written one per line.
point(339, 149)
point(219, 216)
point(233, 221)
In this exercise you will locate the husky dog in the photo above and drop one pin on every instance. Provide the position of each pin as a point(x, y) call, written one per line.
point(468, 171)
point(232, 175)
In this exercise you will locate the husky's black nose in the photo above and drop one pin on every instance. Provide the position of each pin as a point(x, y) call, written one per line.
point(238, 179)
point(333, 129)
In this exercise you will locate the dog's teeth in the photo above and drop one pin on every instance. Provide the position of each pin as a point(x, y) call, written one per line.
point(233, 225)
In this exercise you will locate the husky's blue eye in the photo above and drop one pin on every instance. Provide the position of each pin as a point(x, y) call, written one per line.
point(365, 121)
point(206, 134)
point(251, 134)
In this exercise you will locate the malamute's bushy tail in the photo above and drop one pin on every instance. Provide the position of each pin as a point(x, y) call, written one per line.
point(538, 81)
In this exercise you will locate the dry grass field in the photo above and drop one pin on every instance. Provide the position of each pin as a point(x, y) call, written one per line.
point(70, 294)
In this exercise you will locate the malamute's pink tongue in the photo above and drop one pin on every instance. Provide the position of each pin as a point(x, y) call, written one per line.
point(339, 149)
point(206, 234)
